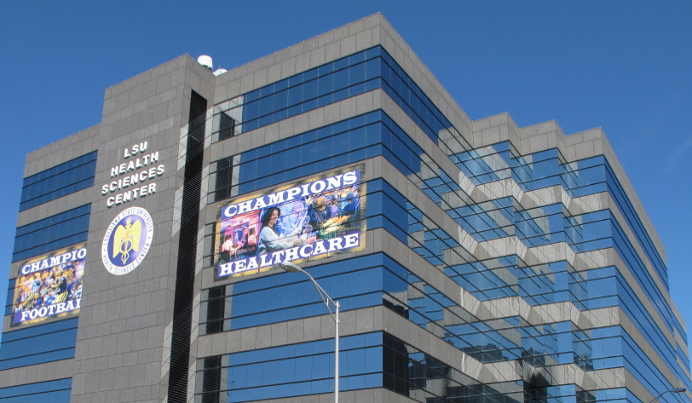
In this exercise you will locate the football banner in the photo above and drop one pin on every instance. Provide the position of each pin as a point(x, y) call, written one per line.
point(49, 286)
point(305, 220)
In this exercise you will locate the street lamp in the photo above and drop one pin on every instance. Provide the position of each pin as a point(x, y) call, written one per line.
point(676, 390)
point(290, 267)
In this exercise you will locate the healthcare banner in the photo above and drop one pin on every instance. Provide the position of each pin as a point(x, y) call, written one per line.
point(305, 220)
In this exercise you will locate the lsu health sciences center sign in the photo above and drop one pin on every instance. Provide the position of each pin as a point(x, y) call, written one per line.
point(129, 236)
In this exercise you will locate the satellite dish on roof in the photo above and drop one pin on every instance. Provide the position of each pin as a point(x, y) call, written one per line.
point(205, 61)
point(218, 72)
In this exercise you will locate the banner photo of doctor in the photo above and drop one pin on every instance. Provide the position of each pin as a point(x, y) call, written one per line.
point(309, 219)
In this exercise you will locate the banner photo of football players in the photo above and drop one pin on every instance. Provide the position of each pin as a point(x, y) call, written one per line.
point(310, 219)
point(49, 286)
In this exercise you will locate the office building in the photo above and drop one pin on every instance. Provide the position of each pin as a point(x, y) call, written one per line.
point(473, 261)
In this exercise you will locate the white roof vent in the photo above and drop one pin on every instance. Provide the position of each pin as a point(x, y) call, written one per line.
point(218, 72)
point(205, 61)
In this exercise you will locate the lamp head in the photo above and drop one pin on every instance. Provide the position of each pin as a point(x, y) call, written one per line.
point(290, 267)
point(679, 390)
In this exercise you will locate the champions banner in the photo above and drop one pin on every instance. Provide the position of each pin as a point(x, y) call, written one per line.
point(309, 219)
point(49, 286)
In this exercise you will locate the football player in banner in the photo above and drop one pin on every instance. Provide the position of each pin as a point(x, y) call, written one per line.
point(49, 286)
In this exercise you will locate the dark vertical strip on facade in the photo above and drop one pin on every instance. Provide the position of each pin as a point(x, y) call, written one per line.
point(211, 381)
point(215, 309)
point(224, 178)
point(227, 127)
point(187, 251)
point(395, 361)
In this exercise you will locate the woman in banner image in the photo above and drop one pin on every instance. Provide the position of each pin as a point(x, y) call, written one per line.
point(269, 239)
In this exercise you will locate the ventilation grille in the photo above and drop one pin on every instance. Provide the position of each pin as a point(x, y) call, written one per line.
point(187, 250)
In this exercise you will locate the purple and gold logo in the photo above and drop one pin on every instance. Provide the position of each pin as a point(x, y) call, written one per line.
point(127, 241)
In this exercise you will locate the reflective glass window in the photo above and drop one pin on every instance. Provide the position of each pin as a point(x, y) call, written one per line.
point(52, 233)
point(10, 295)
point(57, 391)
point(292, 370)
point(58, 181)
point(38, 344)
point(366, 361)
point(338, 144)
point(332, 82)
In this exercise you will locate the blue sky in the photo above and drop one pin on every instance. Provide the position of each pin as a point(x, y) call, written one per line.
point(622, 66)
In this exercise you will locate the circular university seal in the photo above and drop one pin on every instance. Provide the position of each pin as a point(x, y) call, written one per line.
point(127, 241)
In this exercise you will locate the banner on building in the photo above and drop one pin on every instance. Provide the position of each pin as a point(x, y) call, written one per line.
point(49, 286)
point(310, 219)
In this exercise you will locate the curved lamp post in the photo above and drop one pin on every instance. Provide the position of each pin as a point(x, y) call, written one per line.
point(290, 267)
point(676, 390)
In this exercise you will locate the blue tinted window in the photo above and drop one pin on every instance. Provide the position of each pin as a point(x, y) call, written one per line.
point(10, 295)
point(57, 391)
point(331, 146)
point(371, 360)
point(635, 224)
point(299, 369)
point(52, 233)
point(38, 344)
point(637, 362)
point(58, 181)
point(333, 82)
